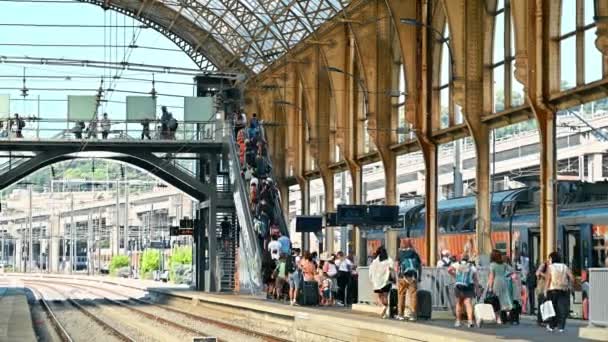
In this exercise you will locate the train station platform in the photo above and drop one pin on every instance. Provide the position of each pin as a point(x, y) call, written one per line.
point(296, 323)
point(15, 317)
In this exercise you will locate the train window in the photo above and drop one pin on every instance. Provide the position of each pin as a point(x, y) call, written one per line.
point(501, 246)
point(468, 220)
point(443, 221)
point(455, 221)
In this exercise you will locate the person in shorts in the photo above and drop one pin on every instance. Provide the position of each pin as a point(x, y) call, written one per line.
point(295, 276)
point(466, 288)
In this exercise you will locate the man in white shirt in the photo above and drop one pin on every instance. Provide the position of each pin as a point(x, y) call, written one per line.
point(345, 267)
point(274, 247)
point(105, 126)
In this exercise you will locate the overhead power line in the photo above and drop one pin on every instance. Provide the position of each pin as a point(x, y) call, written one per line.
point(79, 46)
point(73, 25)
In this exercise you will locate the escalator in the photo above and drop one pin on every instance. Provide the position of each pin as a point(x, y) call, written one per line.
point(250, 245)
point(250, 251)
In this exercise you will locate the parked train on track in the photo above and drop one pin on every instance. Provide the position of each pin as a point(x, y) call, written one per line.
point(582, 233)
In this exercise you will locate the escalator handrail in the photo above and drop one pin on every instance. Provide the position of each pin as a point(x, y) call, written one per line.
point(278, 209)
point(252, 251)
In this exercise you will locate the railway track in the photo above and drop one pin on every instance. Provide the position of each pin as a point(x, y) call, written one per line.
point(60, 327)
point(145, 303)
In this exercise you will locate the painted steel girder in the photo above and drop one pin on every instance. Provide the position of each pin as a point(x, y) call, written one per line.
point(465, 19)
point(200, 46)
point(336, 55)
point(410, 54)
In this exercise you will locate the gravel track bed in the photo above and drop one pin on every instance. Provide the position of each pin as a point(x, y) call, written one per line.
point(78, 325)
point(136, 326)
point(157, 310)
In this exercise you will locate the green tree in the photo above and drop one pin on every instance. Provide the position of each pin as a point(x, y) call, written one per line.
point(117, 262)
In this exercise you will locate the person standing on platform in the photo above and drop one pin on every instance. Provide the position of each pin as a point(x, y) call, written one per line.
point(344, 273)
point(541, 275)
point(164, 122)
point(409, 268)
point(92, 130)
point(465, 274)
point(497, 285)
point(380, 276)
point(77, 129)
point(446, 259)
point(106, 125)
point(19, 125)
point(295, 275)
point(557, 285)
point(145, 129)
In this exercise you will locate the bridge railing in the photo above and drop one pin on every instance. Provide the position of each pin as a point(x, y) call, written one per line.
point(61, 129)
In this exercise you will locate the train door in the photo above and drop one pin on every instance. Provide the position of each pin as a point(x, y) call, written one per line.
point(572, 249)
point(534, 246)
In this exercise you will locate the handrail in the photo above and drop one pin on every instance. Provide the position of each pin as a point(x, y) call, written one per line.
point(250, 254)
point(278, 209)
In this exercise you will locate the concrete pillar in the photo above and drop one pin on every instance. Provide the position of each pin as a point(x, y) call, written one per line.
point(597, 168)
point(328, 184)
point(212, 227)
point(429, 153)
point(548, 181)
point(54, 257)
point(19, 255)
point(305, 201)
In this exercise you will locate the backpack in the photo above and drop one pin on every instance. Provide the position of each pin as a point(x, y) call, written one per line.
point(21, 123)
point(464, 275)
point(172, 124)
point(291, 264)
point(408, 264)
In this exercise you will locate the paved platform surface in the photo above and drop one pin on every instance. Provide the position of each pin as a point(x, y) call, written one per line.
point(15, 318)
point(440, 328)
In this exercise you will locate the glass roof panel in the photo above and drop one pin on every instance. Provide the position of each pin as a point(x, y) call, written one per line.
point(258, 31)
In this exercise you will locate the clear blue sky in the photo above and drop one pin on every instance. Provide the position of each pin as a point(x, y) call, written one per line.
point(75, 14)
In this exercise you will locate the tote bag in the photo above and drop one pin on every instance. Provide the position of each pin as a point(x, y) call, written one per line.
point(546, 310)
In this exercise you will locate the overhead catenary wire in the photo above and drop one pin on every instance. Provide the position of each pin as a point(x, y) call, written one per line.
point(90, 46)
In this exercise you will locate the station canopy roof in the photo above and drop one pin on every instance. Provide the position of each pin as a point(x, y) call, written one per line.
point(258, 31)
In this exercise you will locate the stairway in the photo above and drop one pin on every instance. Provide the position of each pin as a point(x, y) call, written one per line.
point(227, 249)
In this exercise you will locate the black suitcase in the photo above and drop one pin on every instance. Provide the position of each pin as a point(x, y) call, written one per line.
point(424, 304)
point(309, 294)
point(393, 300)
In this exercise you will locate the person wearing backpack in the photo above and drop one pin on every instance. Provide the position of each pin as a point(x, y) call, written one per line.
point(557, 285)
point(19, 125)
point(465, 274)
point(409, 268)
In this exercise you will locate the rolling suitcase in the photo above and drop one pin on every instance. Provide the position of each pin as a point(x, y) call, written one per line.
point(424, 304)
point(484, 313)
point(309, 294)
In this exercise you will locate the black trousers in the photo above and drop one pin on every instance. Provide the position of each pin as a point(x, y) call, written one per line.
point(531, 300)
point(343, 279)
point(104, 134)
point(561, 305)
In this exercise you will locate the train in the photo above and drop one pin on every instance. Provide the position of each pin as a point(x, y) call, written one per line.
point(582, 224)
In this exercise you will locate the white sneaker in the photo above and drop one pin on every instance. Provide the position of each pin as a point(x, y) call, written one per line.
point(400, 318)
point(549, 329)
point(561, 330)
point(457, 324)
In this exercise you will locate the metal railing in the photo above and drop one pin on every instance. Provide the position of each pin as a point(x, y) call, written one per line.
point(598, 301)
point(62, 129)
point(250, 255)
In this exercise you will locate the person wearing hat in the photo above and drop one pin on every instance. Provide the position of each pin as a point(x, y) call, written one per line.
point(446, 259)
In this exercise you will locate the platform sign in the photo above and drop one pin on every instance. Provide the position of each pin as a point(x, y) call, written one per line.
point(82, 107)
point(140, 108)
point(5, 106)
point(177, 231)
point(198, 109)
point(351, 214)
